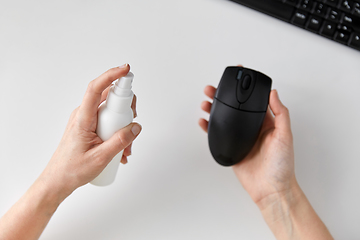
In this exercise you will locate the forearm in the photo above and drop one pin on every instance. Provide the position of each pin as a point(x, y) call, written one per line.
point(290, 216)
point(29, 216)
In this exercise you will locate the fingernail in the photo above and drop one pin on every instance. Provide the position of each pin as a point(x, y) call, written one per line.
point(124, 66)
point(136, 129)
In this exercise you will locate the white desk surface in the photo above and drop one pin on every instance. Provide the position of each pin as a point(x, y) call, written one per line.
point(172, 188)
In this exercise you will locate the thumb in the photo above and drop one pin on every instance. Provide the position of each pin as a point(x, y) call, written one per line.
point(120, 140)
point(282, 116)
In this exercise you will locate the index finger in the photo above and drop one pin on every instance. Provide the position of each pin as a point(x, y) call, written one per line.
point(96, 87)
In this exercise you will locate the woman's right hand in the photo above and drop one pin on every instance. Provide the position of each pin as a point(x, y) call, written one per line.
point(267, 174)
point(269, 167)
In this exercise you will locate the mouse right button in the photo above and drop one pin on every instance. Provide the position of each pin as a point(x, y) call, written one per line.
point(259, 99)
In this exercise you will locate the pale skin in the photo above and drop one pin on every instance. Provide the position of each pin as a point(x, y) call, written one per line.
point(79, 158)
point(268, 175)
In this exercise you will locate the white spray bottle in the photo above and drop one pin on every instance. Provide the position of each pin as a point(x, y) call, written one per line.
point(114, 114)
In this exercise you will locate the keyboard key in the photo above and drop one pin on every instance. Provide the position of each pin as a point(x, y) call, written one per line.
point(356, 22)
point(328, 29)
point(321, 9)
point(346, 5)
point(355, 41)
point(299, 18)
point(351, 21)
point(306, 5)
point(334, 15)
point(356, 10)
point(344, 28)
point(346, 19)
point(333, 3)
point(292, 2)
point(314, 23)
point(341, 37)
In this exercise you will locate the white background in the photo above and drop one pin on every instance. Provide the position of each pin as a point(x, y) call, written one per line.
point(172, 188)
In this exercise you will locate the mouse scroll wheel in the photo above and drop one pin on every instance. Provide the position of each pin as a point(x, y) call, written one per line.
point(246, 82)
point(244, 88)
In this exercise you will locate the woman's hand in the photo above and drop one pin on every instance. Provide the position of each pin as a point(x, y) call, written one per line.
point(269, 167)
point(82, 155)
point(79, 158)
point(267, 174)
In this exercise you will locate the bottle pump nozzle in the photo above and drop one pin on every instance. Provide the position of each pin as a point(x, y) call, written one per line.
point(123, 85)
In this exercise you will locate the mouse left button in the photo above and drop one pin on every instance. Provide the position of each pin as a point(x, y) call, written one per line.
point(226, 92)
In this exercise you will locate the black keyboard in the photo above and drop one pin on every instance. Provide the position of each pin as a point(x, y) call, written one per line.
point(338, 20)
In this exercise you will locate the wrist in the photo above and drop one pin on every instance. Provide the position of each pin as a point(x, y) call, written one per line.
point(279, 211)
point(290, 215)
point(59, 182)
point(49, 196)
point(288, 197)
point(52, 188)
point(28, 217)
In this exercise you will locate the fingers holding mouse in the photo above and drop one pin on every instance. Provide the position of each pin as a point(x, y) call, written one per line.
point(206, 105)
point(210, 91)
point(203, 123)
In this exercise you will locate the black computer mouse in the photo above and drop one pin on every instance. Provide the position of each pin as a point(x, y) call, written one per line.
point(237, 114)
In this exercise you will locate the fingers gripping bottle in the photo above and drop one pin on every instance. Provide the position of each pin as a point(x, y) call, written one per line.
point(114, 114)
